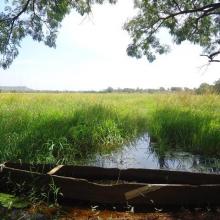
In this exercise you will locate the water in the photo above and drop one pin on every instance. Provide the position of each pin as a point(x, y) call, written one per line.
point(140, 154)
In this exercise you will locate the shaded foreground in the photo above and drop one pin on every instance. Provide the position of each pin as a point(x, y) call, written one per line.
point(43, 212)
point(99, 215)
point(113, 186)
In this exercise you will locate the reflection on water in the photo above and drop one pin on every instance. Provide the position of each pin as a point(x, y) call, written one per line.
point(140, 154)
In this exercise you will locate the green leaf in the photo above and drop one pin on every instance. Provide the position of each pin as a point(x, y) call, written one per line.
point(10, 201)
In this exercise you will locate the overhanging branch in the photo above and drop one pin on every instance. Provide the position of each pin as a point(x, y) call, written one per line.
point(205, 9)
point(212, 56)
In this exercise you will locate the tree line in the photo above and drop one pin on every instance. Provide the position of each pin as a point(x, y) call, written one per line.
point(204, 88)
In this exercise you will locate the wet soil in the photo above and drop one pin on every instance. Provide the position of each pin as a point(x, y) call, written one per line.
point(105, 214)
point(43, 212)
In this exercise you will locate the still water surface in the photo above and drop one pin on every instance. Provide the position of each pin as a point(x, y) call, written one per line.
point(140, 154)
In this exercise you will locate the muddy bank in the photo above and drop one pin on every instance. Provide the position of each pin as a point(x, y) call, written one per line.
point(79, 213)
point(93, 214)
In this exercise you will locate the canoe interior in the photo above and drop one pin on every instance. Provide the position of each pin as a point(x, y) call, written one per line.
point(130, 186)
point(131, 175)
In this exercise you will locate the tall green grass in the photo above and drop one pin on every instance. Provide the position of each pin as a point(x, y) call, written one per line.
point(65, 128)
point(187, 122)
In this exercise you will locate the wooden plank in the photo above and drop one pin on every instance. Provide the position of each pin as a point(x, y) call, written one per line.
point(41, 168)
point(136, 175)
point(54, 170)
point(139, 175)
point(141, 191)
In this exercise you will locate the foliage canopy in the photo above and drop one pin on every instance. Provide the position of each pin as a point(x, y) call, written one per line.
point(39, 19)
point(197, 21)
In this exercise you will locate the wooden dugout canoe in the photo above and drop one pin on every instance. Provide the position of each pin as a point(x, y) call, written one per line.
point(115, 186)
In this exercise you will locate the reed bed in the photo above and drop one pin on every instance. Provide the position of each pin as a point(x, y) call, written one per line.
point(187, 123)
point(65, 128)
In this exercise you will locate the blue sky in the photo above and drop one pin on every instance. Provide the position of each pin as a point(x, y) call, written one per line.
point(91, 55)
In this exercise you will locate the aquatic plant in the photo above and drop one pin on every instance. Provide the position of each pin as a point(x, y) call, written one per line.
point(187, 123)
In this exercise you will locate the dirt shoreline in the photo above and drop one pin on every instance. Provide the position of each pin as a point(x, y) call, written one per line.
point(43, 212)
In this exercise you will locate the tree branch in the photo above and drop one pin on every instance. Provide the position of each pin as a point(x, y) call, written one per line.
point(205, 8)
point(18, 15)
point(22, 11)
point(212, 56)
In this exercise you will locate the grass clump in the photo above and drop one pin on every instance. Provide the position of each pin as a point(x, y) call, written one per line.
point(63, 129)
point(188, 124)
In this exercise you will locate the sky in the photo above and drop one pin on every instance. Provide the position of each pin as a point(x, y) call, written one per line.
point(91, 55)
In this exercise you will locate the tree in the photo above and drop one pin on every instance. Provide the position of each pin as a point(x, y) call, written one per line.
point(109, 89)
point(162, 89)
point(39, 19)
point(217, 86)
point(197, 21)
point(176, 89)
point(204, 88)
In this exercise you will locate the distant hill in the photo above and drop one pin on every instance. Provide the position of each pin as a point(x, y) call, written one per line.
point(15, 89)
